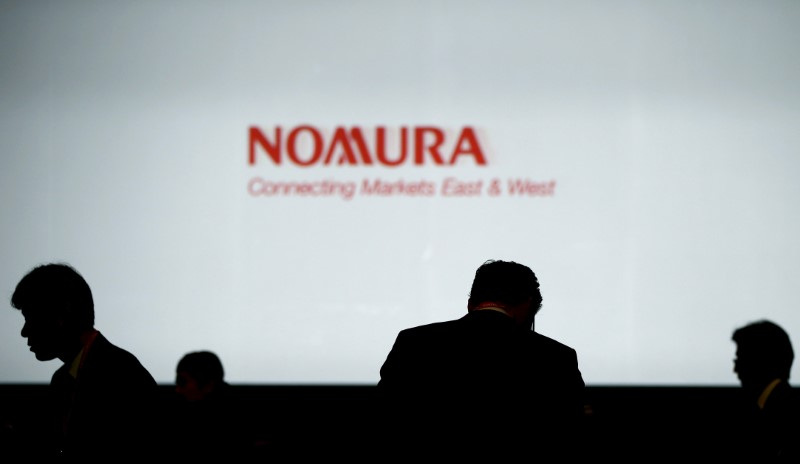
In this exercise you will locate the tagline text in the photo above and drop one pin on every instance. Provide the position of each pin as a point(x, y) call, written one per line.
point(449, 187)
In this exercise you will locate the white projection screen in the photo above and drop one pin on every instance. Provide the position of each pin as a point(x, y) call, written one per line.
point(290, 184)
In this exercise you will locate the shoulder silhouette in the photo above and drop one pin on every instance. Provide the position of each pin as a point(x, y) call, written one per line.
point(485, 379)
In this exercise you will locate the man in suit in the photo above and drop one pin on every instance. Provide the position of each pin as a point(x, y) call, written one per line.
point(104, 400)
point(207, 421)
point(770, 412)
point(485, 382)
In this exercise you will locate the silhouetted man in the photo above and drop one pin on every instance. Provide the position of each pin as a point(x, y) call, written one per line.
point(103, 398)
point(207, 422)
point(485, 382)
point(769, 431)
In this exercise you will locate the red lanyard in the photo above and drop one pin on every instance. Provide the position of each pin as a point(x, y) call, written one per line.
point(85, 351)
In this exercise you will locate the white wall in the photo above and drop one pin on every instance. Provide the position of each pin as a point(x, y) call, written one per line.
point(670, 129)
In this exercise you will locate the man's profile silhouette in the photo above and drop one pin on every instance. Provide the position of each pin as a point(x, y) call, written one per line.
point(769, 428)
point(104, 400)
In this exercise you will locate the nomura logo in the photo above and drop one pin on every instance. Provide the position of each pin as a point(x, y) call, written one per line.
point(307, 146)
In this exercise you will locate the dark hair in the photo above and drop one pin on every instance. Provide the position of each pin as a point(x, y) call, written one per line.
point(204, 367)
point(768, 345)
point(505, 282)
point(56, 288)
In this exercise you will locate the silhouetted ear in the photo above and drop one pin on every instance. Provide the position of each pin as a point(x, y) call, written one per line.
point(531, 314)
point(470, 305)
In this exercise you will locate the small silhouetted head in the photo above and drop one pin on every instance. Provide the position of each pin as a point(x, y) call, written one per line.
point(763, 353)
point(199, 374)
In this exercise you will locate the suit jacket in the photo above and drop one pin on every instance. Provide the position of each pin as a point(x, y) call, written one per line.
point(216, 428)
point(771, 434)
point(109, 411)
point(480, 383)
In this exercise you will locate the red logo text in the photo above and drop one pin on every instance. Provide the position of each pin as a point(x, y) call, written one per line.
point(420, 145)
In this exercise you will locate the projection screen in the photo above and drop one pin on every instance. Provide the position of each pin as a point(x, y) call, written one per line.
point(290, 184)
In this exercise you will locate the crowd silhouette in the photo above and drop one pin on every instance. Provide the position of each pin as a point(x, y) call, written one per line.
point(485, 384)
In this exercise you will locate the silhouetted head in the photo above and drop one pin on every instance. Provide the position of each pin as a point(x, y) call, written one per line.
point(511, 285)
point(57, 305)
point(763, 353)
point(199, 374)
